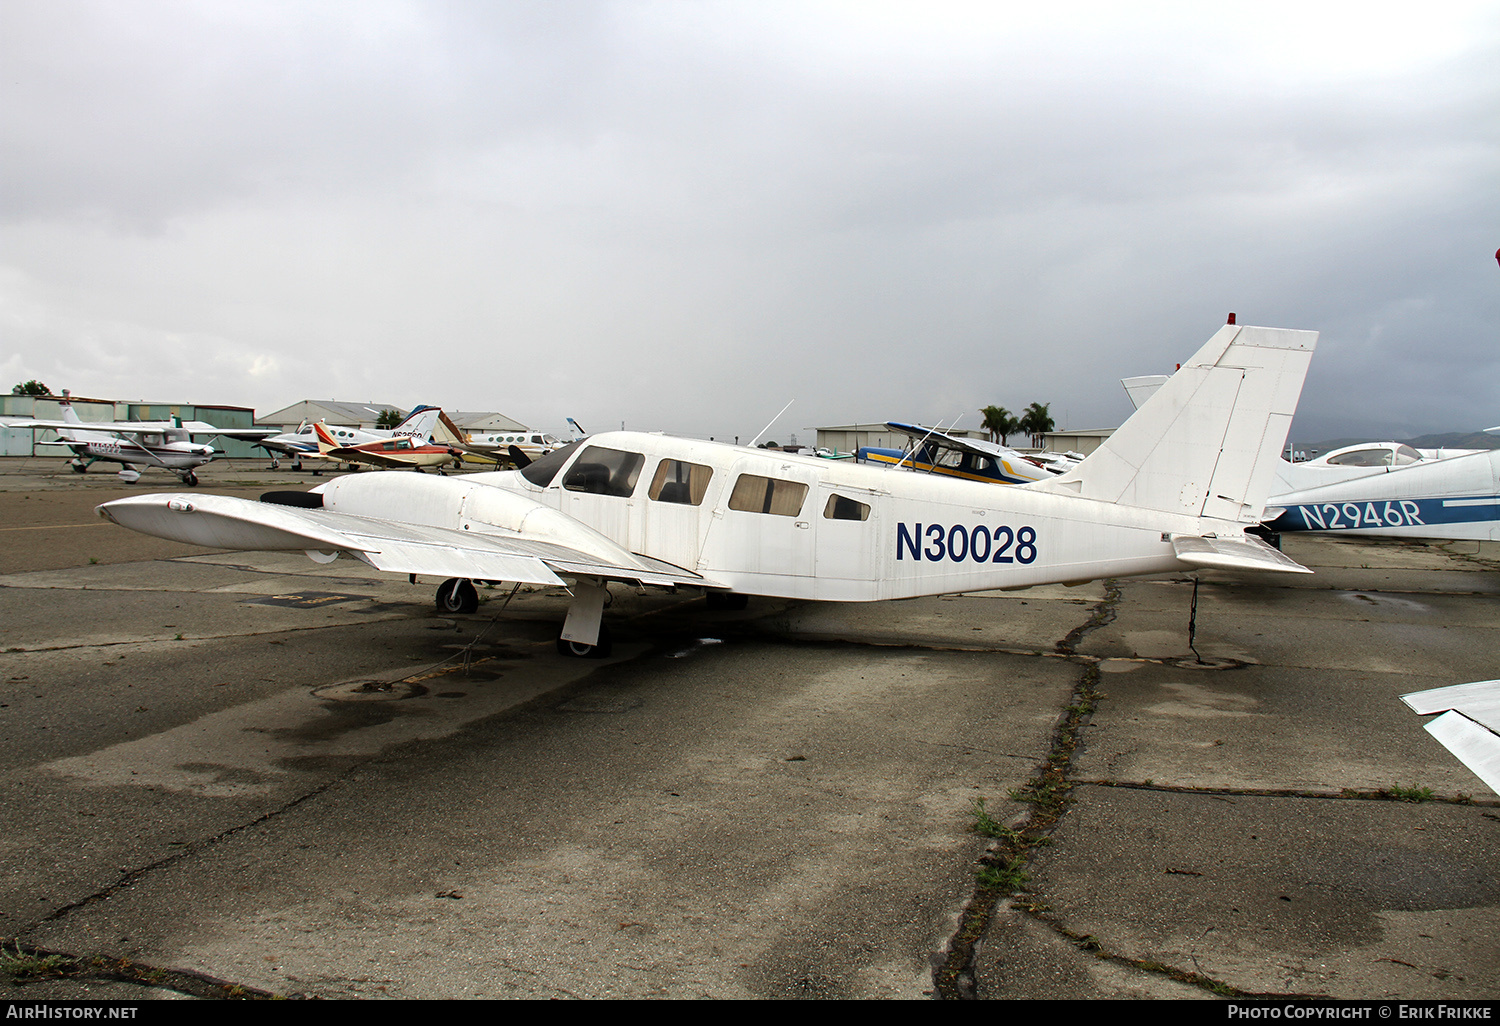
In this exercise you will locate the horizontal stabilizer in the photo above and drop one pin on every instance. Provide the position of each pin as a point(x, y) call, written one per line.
point(1243, 553)
point(1469, 726)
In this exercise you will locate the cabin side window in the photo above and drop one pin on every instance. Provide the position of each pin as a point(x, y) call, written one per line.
point(840, 507)
point(601, 471)
point(755, 494)
point(680, 482)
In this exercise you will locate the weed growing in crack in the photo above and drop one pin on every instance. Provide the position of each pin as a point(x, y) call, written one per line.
point(986, 825)
point(16, 963)
point(1410, 794)
point(1006, 876)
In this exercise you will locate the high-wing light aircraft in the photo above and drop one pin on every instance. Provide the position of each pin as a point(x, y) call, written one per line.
point(1174, 488)
point(972, 459)
point(165, 444)
point(1469, 726)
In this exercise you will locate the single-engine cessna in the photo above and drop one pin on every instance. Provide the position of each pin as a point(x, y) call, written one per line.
point(165, 444)
point(1174, 488)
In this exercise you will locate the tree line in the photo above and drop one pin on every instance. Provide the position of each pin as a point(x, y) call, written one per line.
point(1035, 421)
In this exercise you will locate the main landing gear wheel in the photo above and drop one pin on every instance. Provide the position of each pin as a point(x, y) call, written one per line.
point(578, 650)
point(457, 595)
point(190, 479)
point(79, 467)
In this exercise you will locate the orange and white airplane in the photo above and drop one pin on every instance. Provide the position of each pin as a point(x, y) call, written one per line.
point(409, 448)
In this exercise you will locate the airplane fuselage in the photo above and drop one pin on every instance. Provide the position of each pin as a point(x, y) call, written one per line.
point(784, 525)
point(1458, 497)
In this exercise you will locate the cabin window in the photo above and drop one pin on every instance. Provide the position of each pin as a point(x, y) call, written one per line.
point(680, 482)
point(1406, 455)
point(755, 494)
point(541, 472)
point(840, 507)
point(601, 471)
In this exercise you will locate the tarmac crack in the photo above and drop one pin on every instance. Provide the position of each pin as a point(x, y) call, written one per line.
point(36, 963)
point(1002, 871)
point(21, 964)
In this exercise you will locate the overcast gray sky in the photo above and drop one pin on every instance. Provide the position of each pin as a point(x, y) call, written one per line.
point(680, 215)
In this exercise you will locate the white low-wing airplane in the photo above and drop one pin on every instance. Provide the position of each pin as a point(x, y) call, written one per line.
point(1456, 497)
point(418, 426)
point(1174, 488)
point(165, 444)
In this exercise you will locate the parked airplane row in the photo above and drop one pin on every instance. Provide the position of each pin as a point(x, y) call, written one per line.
point(171, 446)
point(165, 444)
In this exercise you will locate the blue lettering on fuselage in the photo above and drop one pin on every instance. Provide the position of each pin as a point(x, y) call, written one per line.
point(1350, 516)
point(958, 543)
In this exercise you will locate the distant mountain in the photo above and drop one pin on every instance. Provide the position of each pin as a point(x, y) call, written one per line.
point(1447, 440)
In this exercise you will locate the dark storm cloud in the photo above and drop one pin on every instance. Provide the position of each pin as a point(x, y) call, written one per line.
point(680, 215)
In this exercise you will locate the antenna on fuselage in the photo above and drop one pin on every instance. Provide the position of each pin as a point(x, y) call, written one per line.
point(773, 420)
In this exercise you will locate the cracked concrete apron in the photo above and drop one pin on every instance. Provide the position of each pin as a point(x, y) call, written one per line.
point(786, 812)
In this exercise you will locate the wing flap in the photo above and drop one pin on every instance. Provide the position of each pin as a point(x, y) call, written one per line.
point(1243, 553)
point(1475, 747)
point(450, 561)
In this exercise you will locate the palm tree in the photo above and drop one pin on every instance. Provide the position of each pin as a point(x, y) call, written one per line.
point(1037, 422)
point(999, 422)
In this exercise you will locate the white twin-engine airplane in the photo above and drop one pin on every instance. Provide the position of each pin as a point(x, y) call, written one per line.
point(165, 444)
point(1174, 488)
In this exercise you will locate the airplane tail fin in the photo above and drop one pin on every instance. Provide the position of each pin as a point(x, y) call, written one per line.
point(1206, 443)
point(65, 407)
point(325, 440)
point(420, 423)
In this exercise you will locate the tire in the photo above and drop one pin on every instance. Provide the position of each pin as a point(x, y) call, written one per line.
point(576, 650)
point(457, 595)
point(190, 479)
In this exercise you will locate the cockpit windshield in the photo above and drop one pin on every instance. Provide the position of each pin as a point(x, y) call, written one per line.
point(540, 472)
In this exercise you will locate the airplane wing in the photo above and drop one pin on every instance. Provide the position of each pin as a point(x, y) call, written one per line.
point(365, 456)
point(199, 427)
point(947, 441)
point(128, 426)
point(227, 522)
point(1469, 726)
